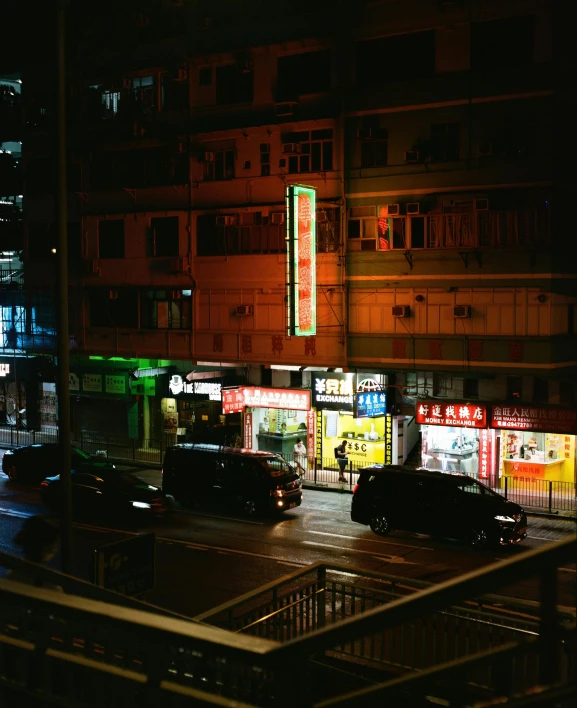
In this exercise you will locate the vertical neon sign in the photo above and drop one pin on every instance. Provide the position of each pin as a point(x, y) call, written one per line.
point(301, 261)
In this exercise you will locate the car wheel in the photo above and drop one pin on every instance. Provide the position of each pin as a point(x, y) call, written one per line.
point(481, 538)
point(380, 524)
point(11, 473)
point(249, 507)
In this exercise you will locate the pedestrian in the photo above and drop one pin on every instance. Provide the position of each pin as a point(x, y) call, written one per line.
point(300, 457)
point(38, 538)
point(342, 459)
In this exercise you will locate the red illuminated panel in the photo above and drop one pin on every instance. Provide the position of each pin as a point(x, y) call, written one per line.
point(546, 420)
point(301, 261)
point(235, 400)
point(458, 415)
point(486, 460)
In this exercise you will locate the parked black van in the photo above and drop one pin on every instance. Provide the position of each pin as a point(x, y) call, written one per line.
point(389, 497)
point(249, 480)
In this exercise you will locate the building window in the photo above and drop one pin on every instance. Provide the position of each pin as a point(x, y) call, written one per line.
point(204, 75)
point(110, 103)
point(397, 58)
point(166, 309)
point(514, 388)
point(328, 229)
point(444, 142)
point(470, 389)
point(540, 390)
point(502, 44)
point(144, 94)
point(111, 238)
point(162, 238)
point(113, 308)
point(229, 235)
point(234, 84)
point(440, 385)
point(301, 74)
point(313, 150)
point(265, 159)
point(219, 160)
point(362, 229)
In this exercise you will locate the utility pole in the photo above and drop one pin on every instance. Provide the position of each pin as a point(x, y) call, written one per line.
point(63, 349)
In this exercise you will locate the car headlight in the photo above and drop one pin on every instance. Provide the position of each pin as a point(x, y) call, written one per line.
point(140, 505)
point(278, 493)
point(506, 519)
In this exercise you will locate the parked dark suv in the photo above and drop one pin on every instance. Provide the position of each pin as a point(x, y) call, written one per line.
point(253, 481)
point(32, 463)
point(442, 504)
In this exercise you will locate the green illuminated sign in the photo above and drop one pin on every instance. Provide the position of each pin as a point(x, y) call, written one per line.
point(301, 260)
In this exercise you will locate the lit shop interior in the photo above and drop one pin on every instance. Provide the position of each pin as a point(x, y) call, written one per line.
point(528, 454)
point(450, 449)
point(277, 430)
point(365, 436)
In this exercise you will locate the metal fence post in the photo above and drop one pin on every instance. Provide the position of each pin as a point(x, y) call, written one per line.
point(322, 596)
point(550, 496)
point(506, 481)
point(315, 475)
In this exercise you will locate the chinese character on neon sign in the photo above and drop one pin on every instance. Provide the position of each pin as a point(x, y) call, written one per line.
point(301, 260)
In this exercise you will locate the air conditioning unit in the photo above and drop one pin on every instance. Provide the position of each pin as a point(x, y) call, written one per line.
point(485, 148)
point(291, 148)
point(113, 294)
point(481, 204)
point(461, 311)
point(243, 310)
point(228, 220)
point(181, 74)
point(284, 109)
point(412, 156)
point(364, 133)
point(393, 209)
point(245, 66)
point(208, 157)
point(277, 217)
point(401, 311)
point(413, 208)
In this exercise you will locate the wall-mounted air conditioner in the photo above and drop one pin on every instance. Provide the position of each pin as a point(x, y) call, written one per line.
point(413, 208)
point(243, 310)
point(481, 204)
point(291, 148)
point(461, 311)
point(228, 220)
point(284, 109)
point(412, 156)
point(277, 217)
point(401, 311)
point(392, 209)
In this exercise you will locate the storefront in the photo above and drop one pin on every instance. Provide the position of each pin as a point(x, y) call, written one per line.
point(537, 443)
point(21, 390)
point(273, 418)
point(455, 437)
point(352, 407)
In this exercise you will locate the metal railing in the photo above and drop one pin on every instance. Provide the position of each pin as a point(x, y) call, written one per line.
point(78, 652)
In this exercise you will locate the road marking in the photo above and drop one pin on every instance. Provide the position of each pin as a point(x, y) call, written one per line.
point(215, 516)
point(384, 557)
point(371, 540)
point(18, 514)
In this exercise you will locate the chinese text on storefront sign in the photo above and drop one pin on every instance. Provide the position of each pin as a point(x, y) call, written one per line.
point(248, 431)
point(486, 453)
point(333, 391)
point(458, 415)
point(388, 440)
point(234, 400)
point(547, 420)
point(370, 405)
point(301, 260)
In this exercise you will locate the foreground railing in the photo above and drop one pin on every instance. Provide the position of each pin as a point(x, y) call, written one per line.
point(80, 652)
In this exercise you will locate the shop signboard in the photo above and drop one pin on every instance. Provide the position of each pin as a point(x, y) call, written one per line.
point(388, 440)
point(370, 405)
point(457, 415)
point(170, 422)
point(92, 383)
point(73, 382)
point(235, 400)
point(247, 430)
point(311, 422)
point(486, 460)
point(301, 260)
point(115, 383)
point(543, 420)
point(333, 391)
point(319, 436)
point(210, 390)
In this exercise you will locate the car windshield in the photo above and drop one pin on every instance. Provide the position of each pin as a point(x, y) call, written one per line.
point(80, 453)
point(471, 486)
point(277, 467)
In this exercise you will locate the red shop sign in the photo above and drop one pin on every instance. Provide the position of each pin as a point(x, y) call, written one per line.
point(545, 420)
point(235, 400)
point(458, 415)
point(248, 431)
point(486, 461)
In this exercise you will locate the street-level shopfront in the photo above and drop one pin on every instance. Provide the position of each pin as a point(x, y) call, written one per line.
point(272, 418)
point(22, 381)
point(502, 440)
point(353, 407)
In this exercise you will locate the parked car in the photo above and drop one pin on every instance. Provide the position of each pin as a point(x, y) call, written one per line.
point(107, 492)
point(438, 503)
point(249, 480)
point(32, 463)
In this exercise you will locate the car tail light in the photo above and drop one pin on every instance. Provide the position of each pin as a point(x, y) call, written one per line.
point(44, 484)
point(356, 486)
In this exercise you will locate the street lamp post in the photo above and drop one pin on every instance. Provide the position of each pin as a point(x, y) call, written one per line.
point(63, 349)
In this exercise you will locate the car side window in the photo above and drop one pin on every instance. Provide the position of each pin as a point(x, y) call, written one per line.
point(88, 480)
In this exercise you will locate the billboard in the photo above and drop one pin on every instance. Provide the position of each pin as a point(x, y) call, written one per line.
point(301, 260)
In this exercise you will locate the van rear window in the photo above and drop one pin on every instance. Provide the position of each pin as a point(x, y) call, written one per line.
point(277, 467)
